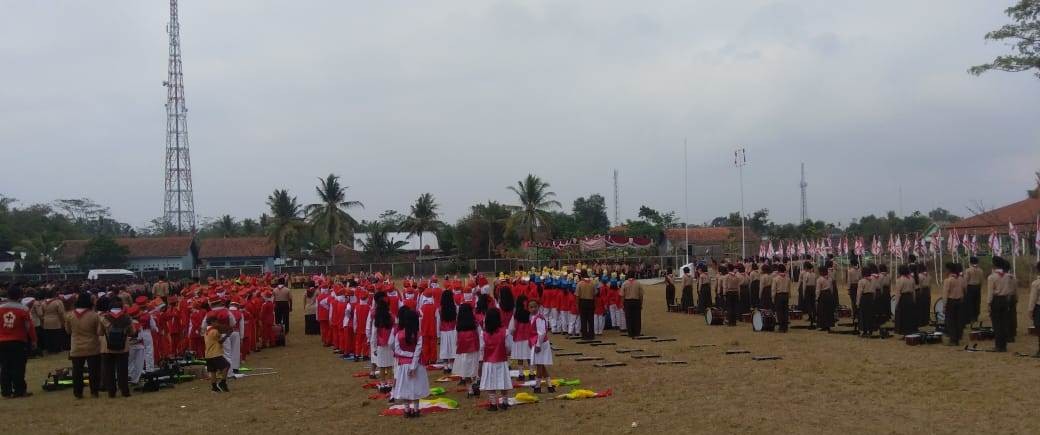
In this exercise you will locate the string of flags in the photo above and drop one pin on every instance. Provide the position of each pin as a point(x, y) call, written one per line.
point(901, 245)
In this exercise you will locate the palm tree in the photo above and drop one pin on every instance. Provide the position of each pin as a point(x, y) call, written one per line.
point(423, 218)
point(379, 245)
point(491, 216)
point(285, 219)
point(226, 226)
point(330, 214)
point(533, 211)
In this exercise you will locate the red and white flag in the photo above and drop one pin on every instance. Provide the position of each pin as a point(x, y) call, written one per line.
point(898, 246)
point(878, 250)
point(1013, 234)
point(1036, 241)
point(974, 244)
point(772, 251)
point(994, 243)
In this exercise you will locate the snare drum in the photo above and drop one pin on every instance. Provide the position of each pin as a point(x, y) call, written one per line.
point(795, 315)
point(714, 316)
point(913, 339)
point(1033, 331)
point(746, 317)
point(763, 320)
point(981, 334)
point(933, 338)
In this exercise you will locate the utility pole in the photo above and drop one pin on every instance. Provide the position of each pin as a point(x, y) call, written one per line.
point(617, 199)
point(805, 204)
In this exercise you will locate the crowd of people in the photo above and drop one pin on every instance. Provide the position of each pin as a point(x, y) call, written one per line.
point(116, 333)
point(875, 295)
point(473, 328)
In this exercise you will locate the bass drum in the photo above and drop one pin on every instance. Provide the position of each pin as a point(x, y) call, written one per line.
point(895, 301)
point(763, 320)
point(714, 316)
point(940, 311)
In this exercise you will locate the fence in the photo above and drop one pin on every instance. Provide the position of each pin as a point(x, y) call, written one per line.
point(415, 268)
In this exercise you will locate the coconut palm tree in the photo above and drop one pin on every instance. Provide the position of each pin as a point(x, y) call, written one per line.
point(380, 245)
point(329, 215)
point(285, 221)
point(227, 226)
point(423, 218)
point(491, 216)
point(533, 211)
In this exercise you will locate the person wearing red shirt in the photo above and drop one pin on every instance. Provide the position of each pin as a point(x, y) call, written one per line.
point(428, 327)
point(323, 309)
point(267, 320)
point(17, 336)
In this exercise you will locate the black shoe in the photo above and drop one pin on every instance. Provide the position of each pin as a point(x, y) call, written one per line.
point(552, 389)
point(475, 390)
point(214, 388)
point(447, 371)
point(391, 400)
point(223, 386)
point(504, 406)
point(537, 390)
point(492, 407)
point(462, 382)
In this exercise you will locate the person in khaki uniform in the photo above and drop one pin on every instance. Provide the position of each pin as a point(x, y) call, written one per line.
point(632, 292)
point(82, 324)
point(973, 292)
point(54, 323)
point(999, 300)
point(115, 363)
point(1034, 300)
point(953, 294)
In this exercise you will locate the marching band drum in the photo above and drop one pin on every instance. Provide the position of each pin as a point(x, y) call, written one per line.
point(763, 320)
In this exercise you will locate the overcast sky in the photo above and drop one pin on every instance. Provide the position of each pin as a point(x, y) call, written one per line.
point(462, 98)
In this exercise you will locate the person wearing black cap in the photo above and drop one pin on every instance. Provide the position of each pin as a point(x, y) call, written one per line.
point(999, 301)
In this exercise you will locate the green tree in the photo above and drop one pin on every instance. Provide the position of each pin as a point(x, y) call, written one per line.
point(226, 226)
point(591, 214)
point(285, 222)
point(942, 215)
point(380, 245)
point(1023, 35)
point(491, 221)
point(250, 227)
point(39, 250)
point(102, 252)
point(533, 212)
point(330, 213)
point(423, 218)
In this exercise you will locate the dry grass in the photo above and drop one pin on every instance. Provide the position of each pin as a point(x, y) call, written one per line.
point(834, 384)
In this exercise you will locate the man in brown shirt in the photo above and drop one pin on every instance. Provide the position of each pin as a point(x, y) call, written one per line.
point(586, 293)
point(632, 292)
point(999, 298)
point(282, 306)
point(973, 292)
point(953, 295)
point(854, 274)
point(731, 290)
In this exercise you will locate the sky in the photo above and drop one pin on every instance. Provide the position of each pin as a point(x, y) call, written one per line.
point(463, 98)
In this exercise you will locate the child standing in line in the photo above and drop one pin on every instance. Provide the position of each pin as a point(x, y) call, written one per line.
point(217, 330)
point(380, 328)
point(467, 349)
point(541, 349)
point(446, 321)
point(494, 373)
point(410, 381)
point(520, 330)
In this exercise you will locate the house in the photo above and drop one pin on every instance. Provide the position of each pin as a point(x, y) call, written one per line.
point(429, 241)
point(8, 260)
point(710, 241)
point(1022, 214)
point(146, 253)
point(238, 252)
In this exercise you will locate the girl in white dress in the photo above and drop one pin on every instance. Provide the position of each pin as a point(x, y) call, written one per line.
point(410, 381)
point(379, 329)
point(446, 317)
point(494, 372)
point(541, 349)
point(467, 349)
point(520, 331)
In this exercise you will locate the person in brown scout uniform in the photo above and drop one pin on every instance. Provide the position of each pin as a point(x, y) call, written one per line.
point(826, 298)
point(687, 288)
point(1034, 300)
point(586, 305)
point(765, 282)
point(866, 291)
point(807, 293)
point(973, 292)
point(953, 294)
point(854, 274)
point(632, 292)
point(999, 300)
point(82, 325)
point(781, 286)
point(904, 287)
point(731, 290)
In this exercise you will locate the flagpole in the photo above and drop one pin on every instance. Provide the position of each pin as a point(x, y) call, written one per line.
point(686, 202)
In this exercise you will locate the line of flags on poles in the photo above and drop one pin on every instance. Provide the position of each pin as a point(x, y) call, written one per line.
point(899, 245)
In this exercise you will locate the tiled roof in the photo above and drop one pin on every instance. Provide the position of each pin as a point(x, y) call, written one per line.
point(1022, 214)
point(143, 247)
point(237, 247)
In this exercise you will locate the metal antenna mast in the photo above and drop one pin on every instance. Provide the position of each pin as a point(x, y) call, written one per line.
point(179, 204)
point(617, 199)
point(805, 204)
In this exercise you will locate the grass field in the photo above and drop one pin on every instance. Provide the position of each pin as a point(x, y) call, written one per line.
point(828, 384)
